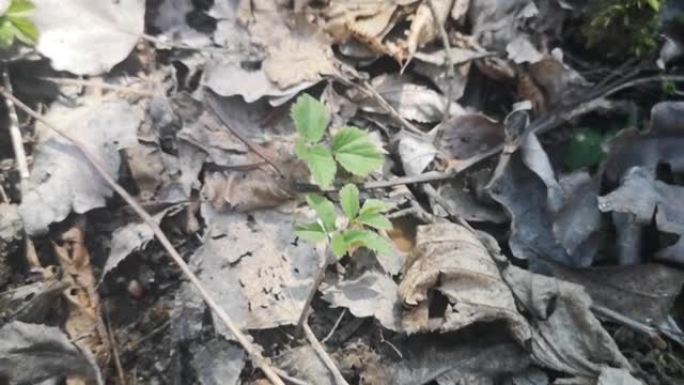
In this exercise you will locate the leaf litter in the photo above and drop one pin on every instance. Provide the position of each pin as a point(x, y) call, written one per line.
point(563, 258)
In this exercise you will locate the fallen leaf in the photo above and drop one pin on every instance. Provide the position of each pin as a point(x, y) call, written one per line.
point(645, 293)
point(11, 228)
point(450, 360)
point(412, 101)
point(415, 154)
point(451, 260)
point(424, 26)
point(560, 84)
point(565, 335)
point(304, 363)
point(218, 362)
point(170, 19)
point(34, 353)
point(467, 135)
point(521, 50)
point(612, 376)
point(372, 294)
point(358, 360)
point(84, 323)
point(463, 196)
point(648, 199)
point(255, 268)
point(87, 38)
point(62, 180)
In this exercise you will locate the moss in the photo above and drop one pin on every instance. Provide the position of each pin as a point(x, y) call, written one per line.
point(622, 28)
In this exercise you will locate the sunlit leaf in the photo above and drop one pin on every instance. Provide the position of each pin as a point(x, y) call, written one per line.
point(349, 200)
point(355, 152)
point(374, 220)
point(312, 232)
point(310, 118)
point(320, 162)
point(324, 209)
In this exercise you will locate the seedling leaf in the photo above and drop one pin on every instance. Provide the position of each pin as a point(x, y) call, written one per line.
point(367, 239)
point(349, 200)
point(312, 232)
point(375, 206)
point(355, 152)
point(376, 221)
point(320, 162)
point(310, 118)
point(338, 245)
point(324, 209)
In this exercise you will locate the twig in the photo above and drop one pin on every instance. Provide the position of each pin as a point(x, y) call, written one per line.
point(335, 326)
point(289, 378)
point(98, 84)
point(329, 363)
point(449, 60)
point(252, 146)
point(540, 126)
point(115, 351)
point(327, 258)
point(3, 195)
point(251, 350)
point(367, 89)
point(15, 132)
point(625, 320)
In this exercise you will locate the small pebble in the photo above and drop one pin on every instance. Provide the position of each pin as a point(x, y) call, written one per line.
point(135, 289)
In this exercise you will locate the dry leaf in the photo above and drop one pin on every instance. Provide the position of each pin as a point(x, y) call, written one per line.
point(35, 353)
point(451, 259)
point(467, 135)
point(218, 362)
point(84, 324)
point(424, 27)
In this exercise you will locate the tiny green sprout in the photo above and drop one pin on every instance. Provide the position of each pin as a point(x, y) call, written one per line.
point(350, 147)
point(15, 24)
point(360, 222)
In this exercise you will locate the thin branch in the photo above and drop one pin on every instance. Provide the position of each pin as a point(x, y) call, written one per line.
point(540, 126)
point(335, 326)
point(320, 349)
point(327, 258)
point(15, 132)
point(252, 146)
point(98, 84)
point(246, 344)
point(625, 320)
point(449, 60)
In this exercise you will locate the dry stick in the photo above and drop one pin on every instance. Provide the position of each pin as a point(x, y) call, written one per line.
point(320, 349)
point(541, 126)
point(98, 84)
point(449, 60)
point(15, 132)
point(115, 351)
point(253, 353)
point(327, 258)
point(335, 326)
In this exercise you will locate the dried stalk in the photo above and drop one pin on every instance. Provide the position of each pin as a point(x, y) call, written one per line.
point(15, 132)
point(249, 347)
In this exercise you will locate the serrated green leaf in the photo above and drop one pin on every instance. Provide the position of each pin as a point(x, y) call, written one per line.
point(26, 31)
point(312, 232)
point(367, 239)
point(310, 118)
point(349, 200)
point(375, 220)
point(338, 245)
point(324, 209)
point(375, 206)
point(7, 33)
point(20, 8)
point(353, 150)
point(320, 162)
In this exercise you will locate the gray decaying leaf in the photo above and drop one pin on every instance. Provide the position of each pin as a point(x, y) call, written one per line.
point(497, 22)
point(373, 294)
point(467, 135)
point(648, 199)
point(530, 376)
point(415, 154)
point(170, 18)
point(643, 292)
point(187, 314)
point(577, 223)
point(612, 376)
point(519, 190)
point(33, 353)
point(428, 360)
point(452, 260)
point(254, 268)
point(566, 336)
point(218, 362)
point(62, 179)
point(303, 362)
point(86, 37)
point(521, 50)
point(444, 82)
point(463, 196)
point(132, 237)
point(10, 235)
point(412, 101)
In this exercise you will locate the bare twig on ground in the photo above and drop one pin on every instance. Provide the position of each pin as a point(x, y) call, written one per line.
point(327, 259)
point(99, 84)
point(449, 60)
point(15, 132)
point(540, 126)
point(249, 347)
point(335, 326)
point(115, 351)
point(320, 350)
point(624, 320)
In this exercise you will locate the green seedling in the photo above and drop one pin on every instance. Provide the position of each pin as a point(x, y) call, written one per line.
point(15, 24)
point(353, 150)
